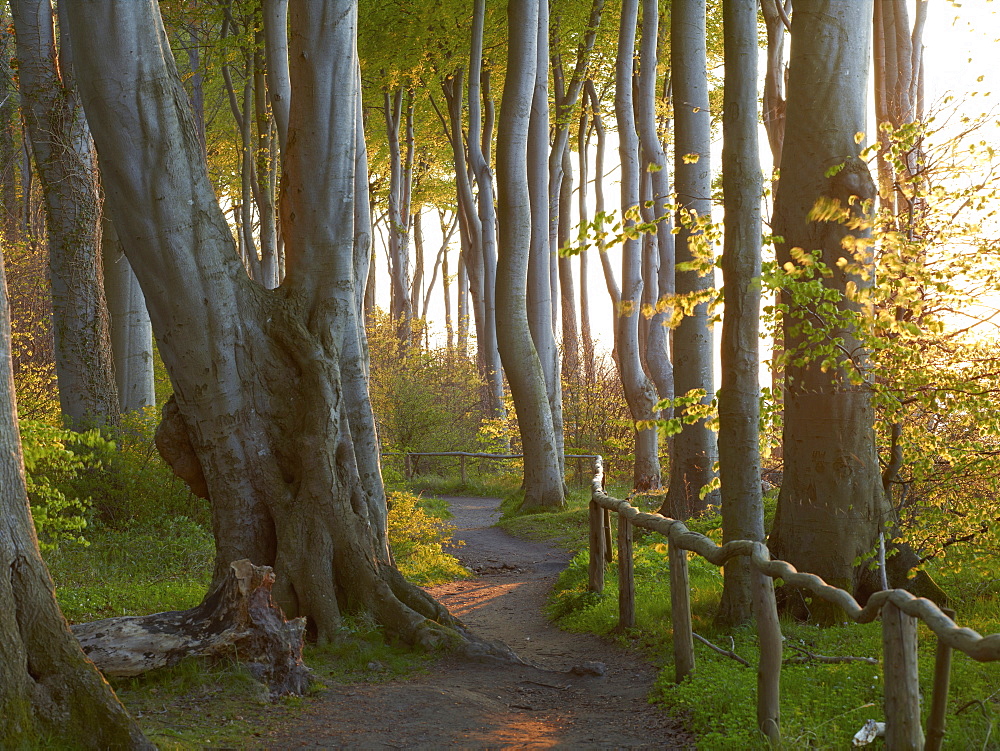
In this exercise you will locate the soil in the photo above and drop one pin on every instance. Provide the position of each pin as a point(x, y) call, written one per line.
point(578, 691)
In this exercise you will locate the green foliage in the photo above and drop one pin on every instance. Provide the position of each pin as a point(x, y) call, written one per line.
point(53, 459)
point(417, 539)
point(423, 399)
point(823, 705)
point(905, 321)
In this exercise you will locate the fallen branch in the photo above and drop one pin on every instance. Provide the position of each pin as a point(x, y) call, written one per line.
point(238, 618)
point(807, 656)
point(721, 651)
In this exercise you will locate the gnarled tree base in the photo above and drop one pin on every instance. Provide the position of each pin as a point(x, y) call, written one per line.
point(237, 618)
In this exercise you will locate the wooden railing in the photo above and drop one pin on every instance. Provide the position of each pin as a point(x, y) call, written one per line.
point(898, 609)
point(410, 457)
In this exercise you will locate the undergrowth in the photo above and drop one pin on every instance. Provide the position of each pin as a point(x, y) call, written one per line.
point(822, 705)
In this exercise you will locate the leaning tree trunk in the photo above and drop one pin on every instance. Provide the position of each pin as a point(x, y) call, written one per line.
point(543, 478)
point(694, 449)
point(64, 158)
point(270, 385)
point(739, 397)
point(831, 506)
point(639, 391)
point(50, 694)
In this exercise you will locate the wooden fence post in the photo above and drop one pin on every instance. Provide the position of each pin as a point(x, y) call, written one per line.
point(769, 667)
point(609, 548)
point(939, 702)
point(680, 612)
point(406, 466)
point(461, 465)
point(596, 569)
point(902, 685)
point(626, 579)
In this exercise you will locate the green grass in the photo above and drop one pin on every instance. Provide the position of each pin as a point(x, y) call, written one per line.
point(823, 705)
point(133, 571)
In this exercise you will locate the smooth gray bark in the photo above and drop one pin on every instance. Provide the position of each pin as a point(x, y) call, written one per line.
point(543, 477)
point(543, 272)
point(479, 146)
point(270, 385)
point(831, 506)
point(279, 90)
point(398, 219)
point(66, 164)
point(659, 272)
point(131, 331)
point(694, 449)
point(639, 391)
point(50, 694)
point(739, 396)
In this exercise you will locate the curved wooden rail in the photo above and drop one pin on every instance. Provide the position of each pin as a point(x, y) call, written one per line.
point(898, 609)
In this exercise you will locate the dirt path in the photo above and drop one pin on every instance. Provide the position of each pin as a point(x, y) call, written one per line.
point(586, 693)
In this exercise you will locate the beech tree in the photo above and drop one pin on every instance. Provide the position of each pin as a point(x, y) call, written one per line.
point(831, 506)
point(739, 395)
point(694, 449)
point(50, 693)
point(517, 222)
point(271, 417)
point(639, 391)
point(64, 157)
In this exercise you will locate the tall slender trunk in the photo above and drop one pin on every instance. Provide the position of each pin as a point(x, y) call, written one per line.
point(639, 392)
point(479, 140)
point(65, 160)
point(131, 331)
point(659, 269)
point(609, 274)
point(400, 171)
point(739, 397)
point(586, 335)
point(694, 451)
point(543, 475)
point(541, 261)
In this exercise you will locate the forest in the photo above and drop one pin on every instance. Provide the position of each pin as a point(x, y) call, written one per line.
point(283, 281)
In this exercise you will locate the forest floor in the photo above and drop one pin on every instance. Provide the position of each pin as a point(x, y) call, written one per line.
point(578, 691)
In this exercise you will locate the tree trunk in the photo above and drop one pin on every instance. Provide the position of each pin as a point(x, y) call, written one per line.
point(479, 144)
point(398, 220)
point(270, 385)
point(694, 449)
point(279, 90)
point(831, 507)
point(541, 262)
point(131, 332)
point(659, 282)
point(543, 478)
point(739, 397)
point(50, 694)
point(64, 158)
point(639, 392)
point(586, 334)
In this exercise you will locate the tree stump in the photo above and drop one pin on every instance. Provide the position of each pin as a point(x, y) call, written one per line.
point(237, 618)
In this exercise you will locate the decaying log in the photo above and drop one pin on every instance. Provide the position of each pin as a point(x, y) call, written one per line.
point(238, 618)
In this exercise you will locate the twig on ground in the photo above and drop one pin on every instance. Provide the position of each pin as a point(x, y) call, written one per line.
point(721, 651)
point(807, 656)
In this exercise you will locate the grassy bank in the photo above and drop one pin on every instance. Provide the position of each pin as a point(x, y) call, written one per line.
point(823, 704)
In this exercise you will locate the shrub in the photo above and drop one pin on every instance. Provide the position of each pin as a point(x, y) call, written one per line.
point(417, 539)
point(53, 459)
